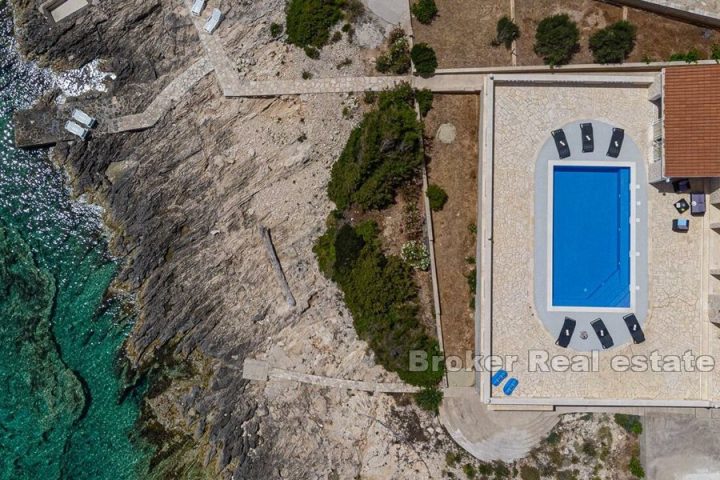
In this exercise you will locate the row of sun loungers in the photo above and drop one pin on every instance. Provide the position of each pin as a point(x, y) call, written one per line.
point(215, 17)
point(588, 141)
point(80, 124)
point(631, 321)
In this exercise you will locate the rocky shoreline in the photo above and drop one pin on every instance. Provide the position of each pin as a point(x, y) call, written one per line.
point(184, 200)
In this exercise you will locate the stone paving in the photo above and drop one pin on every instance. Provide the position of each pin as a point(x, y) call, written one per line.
point(524, 117)
point(173, 93)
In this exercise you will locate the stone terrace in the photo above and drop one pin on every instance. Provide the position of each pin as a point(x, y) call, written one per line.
point(524, 117)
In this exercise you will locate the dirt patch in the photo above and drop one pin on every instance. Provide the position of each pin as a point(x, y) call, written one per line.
point(453, 166)
point(462, 32)
point(588, 14)
point(659, 37)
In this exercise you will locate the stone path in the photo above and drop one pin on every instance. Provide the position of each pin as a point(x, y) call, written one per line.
point(173, 93)
point(492, 435)
point(270, 88)
point(261, 371)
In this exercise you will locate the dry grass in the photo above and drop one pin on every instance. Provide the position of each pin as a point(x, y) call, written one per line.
point(462, 32)
point(454, 167)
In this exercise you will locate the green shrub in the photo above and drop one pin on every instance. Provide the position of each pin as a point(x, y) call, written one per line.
point(452, 458)
point(553, 438)
point(614, 43)
point(438, 197)
point(423, 56)
point(275, 30)
point(588, 448)
point(424, 10)
point(631, 423)
point(500, 470)
point(397, 58)
point(382, 153)
point(636, 467)
point(336, 37)
point(424, 99)
point(354, 10)
point(312, 52)
point(472, 280)
point(382, 296)
point(469, 471)
point(507, 32)
point(416, 255)
point(429, 399)
point(345, 63)
point(556, 39)
point(308, 22)
point(691, 56)
point(715, 53)
point(369, 97)
point(306, 75)
point(529, 473)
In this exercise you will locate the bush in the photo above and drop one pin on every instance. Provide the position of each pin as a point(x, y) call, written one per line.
point(308, 22)
point(614, 43)
point(424, 99)
point(397, 58)
point(312, 52)
point(715, 53)
point(416, 255)
point(556, 39)
point(438, 197)
point(354, 10)
point(381, 294)
point(692, 56)
point(429, 399)
point(529, 473)
point(306, 75)
point(507, 32)
point(382, 153)
point(631, 423)
point(469, 471)
point(636, 468)
point(275, 29)
point(423, 56)
point(424, 10)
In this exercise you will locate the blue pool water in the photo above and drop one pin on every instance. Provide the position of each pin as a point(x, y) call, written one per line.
point(591, 237)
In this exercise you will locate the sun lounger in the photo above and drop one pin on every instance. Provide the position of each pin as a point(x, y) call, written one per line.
point(697, 203)
point(681, 225)
point(499, 377)
point(634, 327)
point(197, 7)
point(76, 129)
point(588, 139)
point(83, 118)
point(566, 333)
point(561, 143)
point(214, 20)
point(602, 333)
point(616, 141)
point(510, 386)
point(681, 186)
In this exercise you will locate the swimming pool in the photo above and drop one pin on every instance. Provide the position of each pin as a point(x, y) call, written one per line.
point(590, 236)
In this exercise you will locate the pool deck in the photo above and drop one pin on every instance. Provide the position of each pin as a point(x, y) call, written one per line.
point(524, 115)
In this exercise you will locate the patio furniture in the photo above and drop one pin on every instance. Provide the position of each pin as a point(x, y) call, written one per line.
point(681, 225)
point(697, 203)
point(510, 386)
point(77, 130)
point(498, 377)
point(83, 118)
point(681, 186)
point(561, 143)
point(566, 333)
point(682, 205)
point(634, 327)
point(214, 20)
point(197, 7)
point(588, 139)
point(602, 333)
point(616, 142)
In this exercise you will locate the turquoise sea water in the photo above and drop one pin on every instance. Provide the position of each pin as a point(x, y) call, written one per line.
point(64, 411)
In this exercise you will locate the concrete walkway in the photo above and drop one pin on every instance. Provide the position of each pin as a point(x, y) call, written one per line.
point(271, 88)
point(492, 435)
point(170, 95)
point(261, 371)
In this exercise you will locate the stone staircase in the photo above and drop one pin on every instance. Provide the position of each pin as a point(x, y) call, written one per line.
point(493, 435)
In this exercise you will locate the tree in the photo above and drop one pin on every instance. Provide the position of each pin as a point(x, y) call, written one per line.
point(556, 39)
point(425, 11)
point(429, 399)
point(423, 56)
point(614, 43)
point(424, 99)
point(308, 22)
point(507, 32)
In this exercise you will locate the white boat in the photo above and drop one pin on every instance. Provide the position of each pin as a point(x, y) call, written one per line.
point(214, 20)
point(76, 129)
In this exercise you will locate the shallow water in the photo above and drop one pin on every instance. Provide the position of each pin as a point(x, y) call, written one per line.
point(63, 409)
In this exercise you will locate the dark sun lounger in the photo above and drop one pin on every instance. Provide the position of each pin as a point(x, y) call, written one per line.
point(697, 203)
point(602, 333)
point(616, 142)
point(588, 139)
point(561, 143)
point(634, 326)
point(566, 333)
